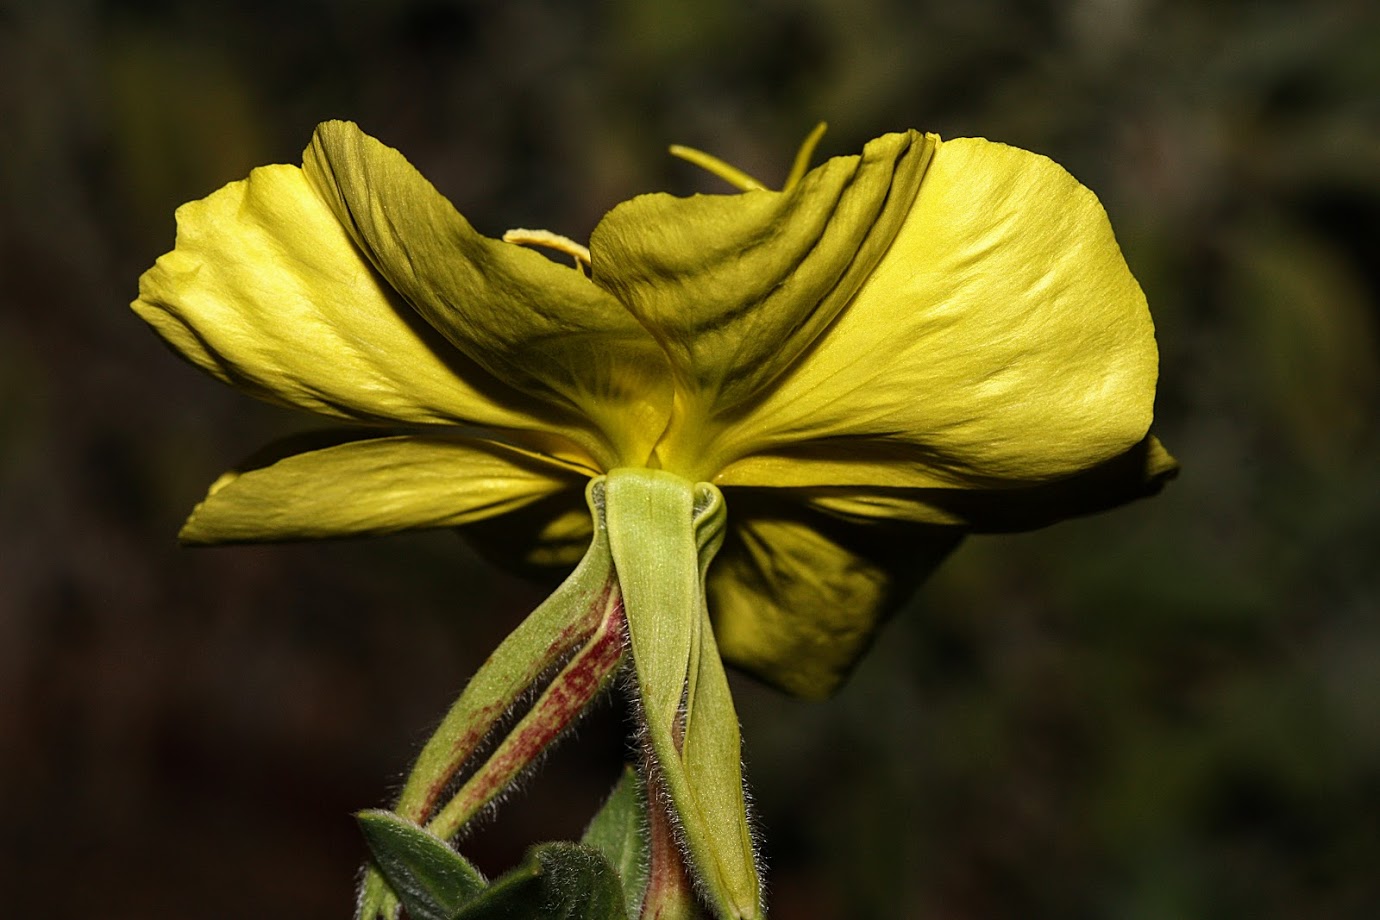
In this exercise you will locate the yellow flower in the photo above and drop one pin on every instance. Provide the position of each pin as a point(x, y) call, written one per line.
point(928, 339)
point(939, 333)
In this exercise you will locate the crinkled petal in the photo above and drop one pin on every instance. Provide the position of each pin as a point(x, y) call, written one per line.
point(266, 291)
point(541, 327)
point(1001, 341)
point(376, 486)
point(737, 287)
point(796, 597)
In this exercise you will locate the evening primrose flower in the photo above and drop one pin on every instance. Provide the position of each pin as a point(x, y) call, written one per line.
point(818, 388)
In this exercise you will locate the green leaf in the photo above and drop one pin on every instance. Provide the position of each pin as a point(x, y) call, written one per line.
point(557, 881)
point(619, 833)
point(431, 879)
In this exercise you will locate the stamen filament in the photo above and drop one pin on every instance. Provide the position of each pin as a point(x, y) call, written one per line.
point(736, 177)
point(804, 155)
point(548, 240)
point(730, 174)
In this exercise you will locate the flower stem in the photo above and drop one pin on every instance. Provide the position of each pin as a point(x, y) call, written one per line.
point(670, 894)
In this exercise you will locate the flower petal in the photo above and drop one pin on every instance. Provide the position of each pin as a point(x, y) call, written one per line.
point(266, 291)
point(1138, 473)
point(375, 486)
point(544, 328)
point(542, 541)
point(796, 596)
point(736, 287)
point(1001, 340)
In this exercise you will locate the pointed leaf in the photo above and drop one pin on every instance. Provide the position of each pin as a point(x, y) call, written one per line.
point(431, 879)
point(556, 881)
point(619, 833)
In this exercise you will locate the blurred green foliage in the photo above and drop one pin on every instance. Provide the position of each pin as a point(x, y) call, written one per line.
point(1168, 711)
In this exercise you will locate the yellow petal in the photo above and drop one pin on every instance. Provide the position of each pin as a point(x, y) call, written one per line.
point(542, 541)
point(541, 327)
point(1138, 473)
point(375, 486)
point(736, 287)
point(1001, 340)
point(266, 291)
point(796, 597)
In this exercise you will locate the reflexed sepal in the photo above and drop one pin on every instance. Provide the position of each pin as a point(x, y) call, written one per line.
point(663, 531)
point(579, 628)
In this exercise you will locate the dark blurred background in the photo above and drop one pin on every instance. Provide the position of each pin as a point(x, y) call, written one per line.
point(1170, 711)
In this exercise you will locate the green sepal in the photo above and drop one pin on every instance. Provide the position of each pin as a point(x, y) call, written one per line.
point(556, 881)
point(619, 833)
point(663, 531)
point(550, 633)
point(430, 879)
